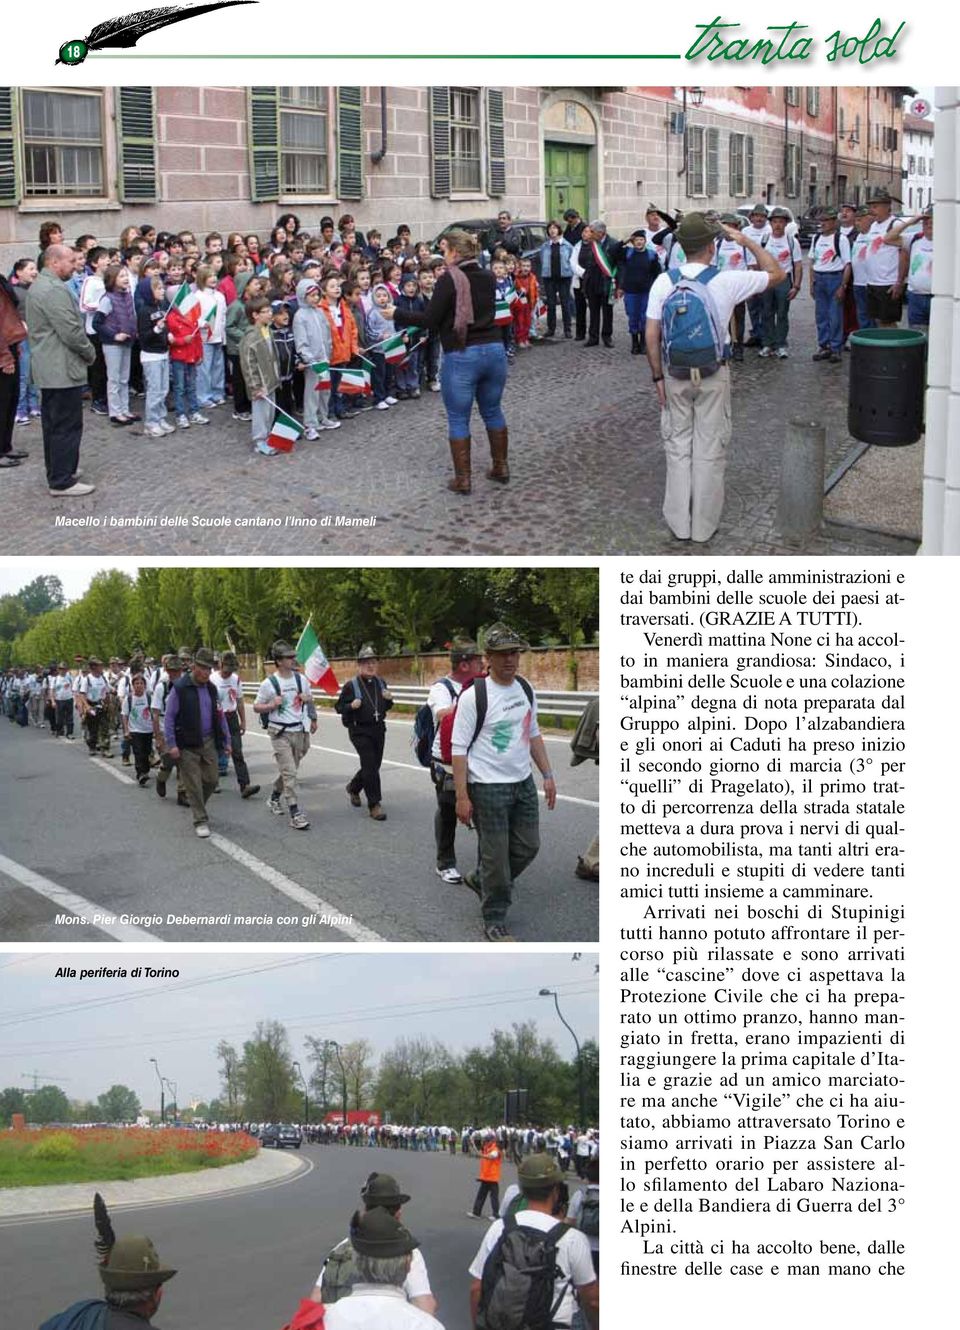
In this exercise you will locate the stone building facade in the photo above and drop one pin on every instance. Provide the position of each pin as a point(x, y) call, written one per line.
point(918, 162)
point(222, 158)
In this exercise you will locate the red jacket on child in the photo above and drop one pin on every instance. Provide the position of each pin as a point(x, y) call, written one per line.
point(186, 343)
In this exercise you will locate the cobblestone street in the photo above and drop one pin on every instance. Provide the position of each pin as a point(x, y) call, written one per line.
point(586, 459)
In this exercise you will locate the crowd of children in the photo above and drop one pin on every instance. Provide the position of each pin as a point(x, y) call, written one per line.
point(192, 323)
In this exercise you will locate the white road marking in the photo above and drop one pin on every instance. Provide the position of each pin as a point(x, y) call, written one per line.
point(280, 882)
point(415, 766)
point(116, 772)
point(73, 904)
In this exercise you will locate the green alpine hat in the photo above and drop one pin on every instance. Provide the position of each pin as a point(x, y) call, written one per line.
point(228, 660)
point(538, 1170)
point(695, 233)
point(880, 196)
point(281, 649)
point(463, 648)
point(133, 1264)
point(367, 652)
point(378, 1233)
point(205, 658)
point(828, 214)
point(382, 1189)
point(499, 637)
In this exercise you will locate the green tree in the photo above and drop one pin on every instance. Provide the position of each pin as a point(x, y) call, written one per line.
point(147, 618)
point(231, 1078)
point(573, 594)
point(268, 1074)
point(12, 1100)
point(176, 607)
point(324, 1080)
point(42, 594)
point(210, 606)
point(254, 606)
point(101, 622)
point(413, 603)
point(118, 1104)
point(357, 1058)
point(48, 1104)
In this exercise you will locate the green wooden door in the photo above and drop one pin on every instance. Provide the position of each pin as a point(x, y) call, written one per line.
point(567, 179)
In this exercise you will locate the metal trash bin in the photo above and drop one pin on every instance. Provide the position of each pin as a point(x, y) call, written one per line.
point(887, 381)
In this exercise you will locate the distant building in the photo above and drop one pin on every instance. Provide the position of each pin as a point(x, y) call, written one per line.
point(98, 158)
point(917, 163)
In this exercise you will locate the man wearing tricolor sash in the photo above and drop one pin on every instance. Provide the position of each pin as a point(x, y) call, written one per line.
point(596, 267)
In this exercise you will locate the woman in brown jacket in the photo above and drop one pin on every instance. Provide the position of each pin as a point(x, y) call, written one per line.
point(12, 332)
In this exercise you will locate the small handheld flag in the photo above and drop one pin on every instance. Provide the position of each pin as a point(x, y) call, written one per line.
point(322, 370)
point(284, 433)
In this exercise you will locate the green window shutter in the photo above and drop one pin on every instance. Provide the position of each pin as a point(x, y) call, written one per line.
point(9, 182)
point(264, 145)
point(496, 150)
point(440, 143)
point(712, 149)
point(350, 143)
point(748, 170)
point(138, 137)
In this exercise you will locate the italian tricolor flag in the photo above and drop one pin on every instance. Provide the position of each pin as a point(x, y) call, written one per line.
point(314, 663)
point(503, 313)
point(211, 315)
point(285, 432)
point(355, 382)
point(187, 302)
point(394, 349)
point(599, 253)
point(322, 370)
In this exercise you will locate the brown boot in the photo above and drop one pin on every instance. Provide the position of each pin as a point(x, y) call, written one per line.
point(377, 813)
point(498, 455)
point(460, 452)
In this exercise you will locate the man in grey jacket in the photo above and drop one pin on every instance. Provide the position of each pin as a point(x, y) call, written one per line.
point(60, 352)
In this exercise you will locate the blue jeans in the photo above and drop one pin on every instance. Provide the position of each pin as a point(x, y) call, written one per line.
point(918, 310)
point(475, 372)
point(183, 382)
point(776, 316)
point(210, 375)
point(755, 310)
point(829, 310)
point(408, 374)
point(28, 400)
point(636, 307)
point(860, 300)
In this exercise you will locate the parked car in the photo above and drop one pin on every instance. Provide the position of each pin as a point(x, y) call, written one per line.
point(793, 229)
point(810, 225)
point(280, 1135)
point(530, 234)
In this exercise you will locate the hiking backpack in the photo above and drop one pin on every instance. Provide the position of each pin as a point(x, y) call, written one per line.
point(480, 691)
point(689, 327)
point(424, 730)
point(339, 1273)
point(518, 1285)
point(90, 1314)
point(588, 1221)
point(275, 685)
point(586, 738)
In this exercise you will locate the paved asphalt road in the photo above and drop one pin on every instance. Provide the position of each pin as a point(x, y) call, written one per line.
point(245, 1259)
point(80, 836)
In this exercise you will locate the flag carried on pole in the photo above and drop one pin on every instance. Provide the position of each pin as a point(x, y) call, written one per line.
point(503, 313)
point(313, 661)
point(186, 302)
point(355, 380)
point(322, 370)
point(285, 432)
point(394, 349)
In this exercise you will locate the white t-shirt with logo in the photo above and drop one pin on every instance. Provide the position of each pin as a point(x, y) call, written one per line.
point(501, 754)
point(160, 695)
point(94, 688)
point(62, 685)
point(830, 253)
point(883, 261)
point(786, 250)
point(858, 257)
point(136, 711)
point(732, 256)
point(920, 266)
point(293, 713)
point(574, 1262)
point(228, 689)
point(759, 235)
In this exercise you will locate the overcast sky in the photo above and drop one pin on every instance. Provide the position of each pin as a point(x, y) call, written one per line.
point(86, 1036)
point(75, 574)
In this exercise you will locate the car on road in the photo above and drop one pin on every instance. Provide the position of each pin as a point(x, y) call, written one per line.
point(531, 235)
point(280, 1135)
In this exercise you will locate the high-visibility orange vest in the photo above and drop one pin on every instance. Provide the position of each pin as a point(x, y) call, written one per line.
point(490, 1162)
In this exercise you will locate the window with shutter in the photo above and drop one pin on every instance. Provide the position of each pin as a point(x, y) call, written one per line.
point(350, 143)
point(696, 161)
point(737, 171)
point(496, 147)
point(63, 143)
point(9, 183)
point(264, 145)
point(748, 164)
point(138, 137)
point(440, 143)
point(713, 161)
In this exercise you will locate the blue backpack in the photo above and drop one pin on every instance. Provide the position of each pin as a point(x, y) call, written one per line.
point(424, 730)
point(689, 327)
point(91, 1314)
